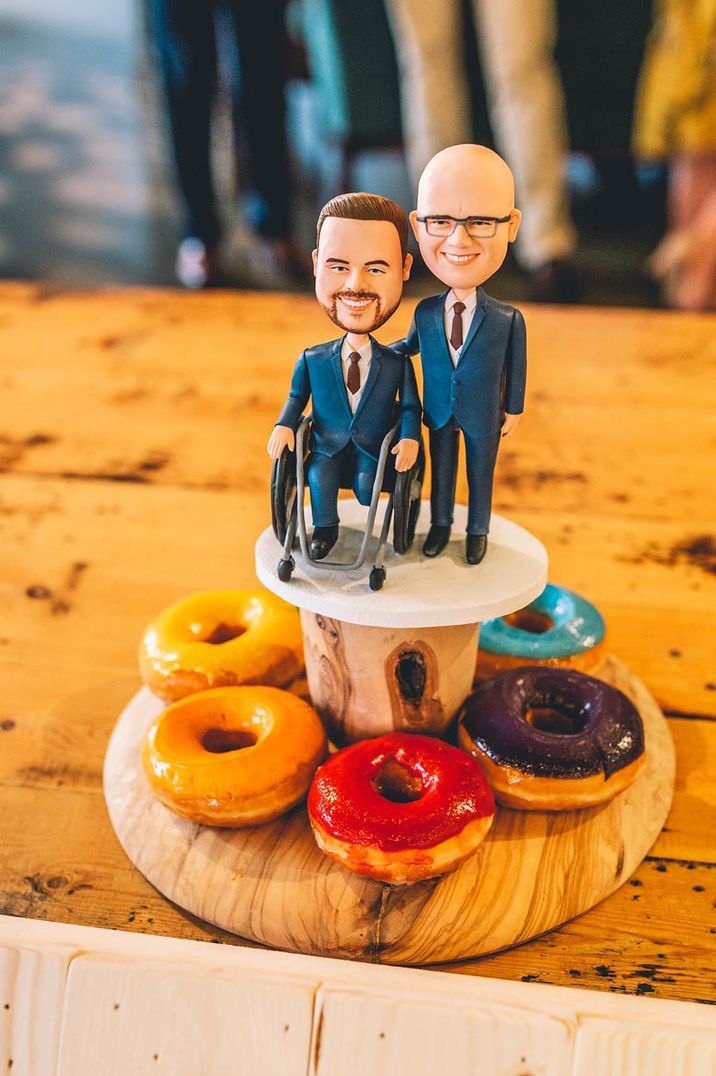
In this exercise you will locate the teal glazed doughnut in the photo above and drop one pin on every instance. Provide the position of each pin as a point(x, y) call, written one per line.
point(560, 628)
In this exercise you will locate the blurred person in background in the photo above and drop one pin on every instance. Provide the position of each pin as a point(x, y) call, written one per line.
point(185, 40)
point(676, 120)
point(516, 39)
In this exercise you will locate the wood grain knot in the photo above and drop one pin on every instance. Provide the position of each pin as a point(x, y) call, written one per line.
point(411, 675)
point(413, 681)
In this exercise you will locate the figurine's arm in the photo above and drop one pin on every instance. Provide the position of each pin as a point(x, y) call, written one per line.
point(407, 448)
point(406, 453)
point(516, 374)
point(283, 435)
point(410, 344)
point(509, 424)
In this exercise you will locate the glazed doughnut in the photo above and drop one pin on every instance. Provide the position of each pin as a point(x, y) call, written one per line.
point(234, 756)
point(400, 808)
point(559, 628)
point(552, 739)
point(220, 637)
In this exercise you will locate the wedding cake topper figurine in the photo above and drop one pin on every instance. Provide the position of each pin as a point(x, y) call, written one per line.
point(472, 347)
point(357, 386)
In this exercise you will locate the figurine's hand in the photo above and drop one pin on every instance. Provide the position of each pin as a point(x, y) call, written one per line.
point(406, 453)
point(282, 437)
point(509, 424)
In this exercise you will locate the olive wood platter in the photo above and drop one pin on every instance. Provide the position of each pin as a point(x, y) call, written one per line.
point(270, 883)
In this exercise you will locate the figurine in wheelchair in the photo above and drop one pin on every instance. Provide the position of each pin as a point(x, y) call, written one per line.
point(365, 421)
point(288, 481)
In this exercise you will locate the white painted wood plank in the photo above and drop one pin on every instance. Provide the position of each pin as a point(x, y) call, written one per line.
point(32, 985)
point(605, 1021)
point(126, 1017)
point(625, 1048)
point(356, 1033)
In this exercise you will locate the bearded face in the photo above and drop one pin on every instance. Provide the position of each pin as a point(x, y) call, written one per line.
point(358, 311)
point(360, 271)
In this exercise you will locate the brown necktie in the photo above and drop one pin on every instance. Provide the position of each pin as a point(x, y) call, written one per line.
point(456, 331)
point(353, 379)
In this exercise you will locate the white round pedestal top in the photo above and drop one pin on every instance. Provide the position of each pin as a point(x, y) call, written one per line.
point(418, 592)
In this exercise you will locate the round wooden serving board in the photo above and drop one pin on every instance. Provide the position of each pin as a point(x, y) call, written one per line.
point(270, 883)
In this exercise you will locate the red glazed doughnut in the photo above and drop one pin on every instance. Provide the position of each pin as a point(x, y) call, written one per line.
point(400, 808)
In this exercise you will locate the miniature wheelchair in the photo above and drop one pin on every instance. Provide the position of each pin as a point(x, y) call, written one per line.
point(288, 481)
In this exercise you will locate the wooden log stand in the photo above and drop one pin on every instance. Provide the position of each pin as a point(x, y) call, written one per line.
point(402, 657)
point(364, 680)
point(399, 658)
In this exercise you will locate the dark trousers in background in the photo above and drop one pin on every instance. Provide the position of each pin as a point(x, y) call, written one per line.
point(186, 48)
point(480, 457)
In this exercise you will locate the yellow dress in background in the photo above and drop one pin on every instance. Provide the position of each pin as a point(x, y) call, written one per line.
point(676, 99)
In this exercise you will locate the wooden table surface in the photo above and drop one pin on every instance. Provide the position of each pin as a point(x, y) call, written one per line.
point(134, 471)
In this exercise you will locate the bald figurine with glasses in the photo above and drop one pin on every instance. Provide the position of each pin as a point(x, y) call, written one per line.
point(472, 347)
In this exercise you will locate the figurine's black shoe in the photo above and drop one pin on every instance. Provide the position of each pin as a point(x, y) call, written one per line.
point(475, 548)
point(322, 541)
point(437, 539)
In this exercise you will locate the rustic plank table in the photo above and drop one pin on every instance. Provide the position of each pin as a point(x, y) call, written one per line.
point(134, 471)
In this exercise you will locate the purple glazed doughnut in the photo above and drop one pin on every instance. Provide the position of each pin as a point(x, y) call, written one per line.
point(552, 739)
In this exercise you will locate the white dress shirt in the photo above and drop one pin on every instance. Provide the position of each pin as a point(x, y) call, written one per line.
point(467, 316)
point(365, 353)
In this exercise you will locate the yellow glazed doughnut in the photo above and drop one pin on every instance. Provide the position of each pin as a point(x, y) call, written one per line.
point(234, 756)
point(221, 637)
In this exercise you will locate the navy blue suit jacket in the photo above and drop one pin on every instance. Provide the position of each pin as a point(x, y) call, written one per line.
point(489, 378)
point(319, 374)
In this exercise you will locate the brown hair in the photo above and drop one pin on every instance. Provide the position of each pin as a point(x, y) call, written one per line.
point(362, 206)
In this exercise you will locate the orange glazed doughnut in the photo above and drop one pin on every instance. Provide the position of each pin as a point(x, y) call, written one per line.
point(234, 756)
point(400, 808)
point(221, 637)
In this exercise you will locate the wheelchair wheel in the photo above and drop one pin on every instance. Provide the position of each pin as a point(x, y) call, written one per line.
point(406, 503)
point(283, 486)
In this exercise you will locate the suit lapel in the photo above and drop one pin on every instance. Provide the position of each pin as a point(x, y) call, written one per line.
point(437, 343)
point(477, 319)
point(337, 364)
point(373, 371)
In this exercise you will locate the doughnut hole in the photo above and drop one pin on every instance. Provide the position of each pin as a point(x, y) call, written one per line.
point(560, 716)
point(530, 620)
point(219, 741)
point(397, 784)
point(224, 633)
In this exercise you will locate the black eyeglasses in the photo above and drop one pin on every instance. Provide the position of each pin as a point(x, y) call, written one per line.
point(477, 227)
